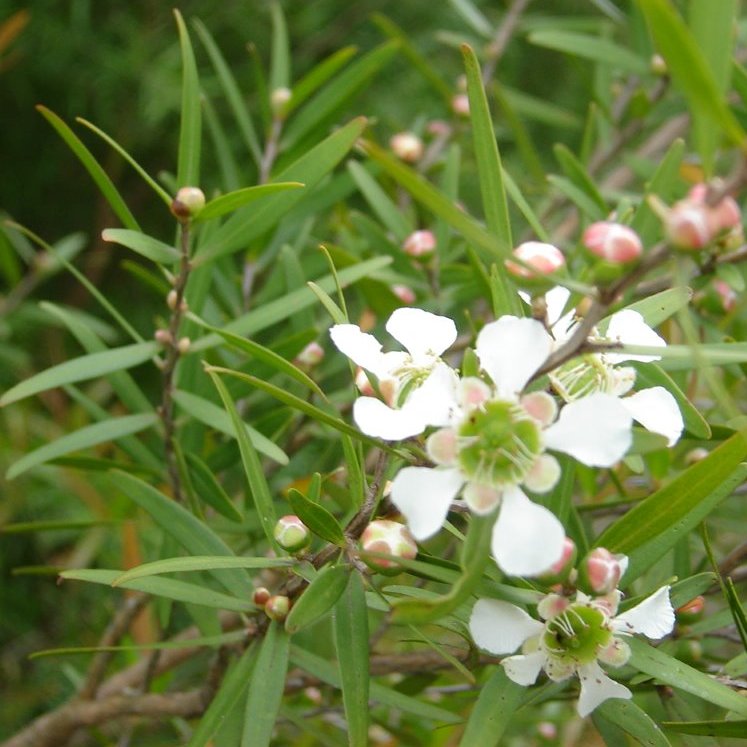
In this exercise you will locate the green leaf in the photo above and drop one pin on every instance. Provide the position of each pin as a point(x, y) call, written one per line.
point(495, 707)
point(239, 198)
point(198, 563)
point(320, 521)
point(319, 597)
point(210, 490)
point(351, 643)
point(654, 662)
point(81, 369)
point(631, 719)
point(280, 62)
point(99, 176)
point(592, 48)
point(736, 729)
point(83, 438)
point(258, 487)
point(318, 76)
point(213, 416)
point(168, 588)
point(193, 535)
point(231, 690)
point(388, 213)
point(652, 527)
point(190, 132)
point(144, 245)
point(577, 196)
point(266, 688)
point(576, 172)
point(684, 357)
point(688, 68)
point(659, 307)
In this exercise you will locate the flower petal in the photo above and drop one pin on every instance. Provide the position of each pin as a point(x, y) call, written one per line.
point(524, 669)
point(422, 333)
point(627, 326)
point(556, 299)
point(653, 617)
point(656, 410)
point(363, 349)
point(376, 419)
point(594, 430)
point(596, 687)
point(423, 495)
point(511, 350)
point(435, 400)
point(527, 538)
point(501, 627)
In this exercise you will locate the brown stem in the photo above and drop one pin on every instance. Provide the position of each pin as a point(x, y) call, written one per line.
point(502, 36)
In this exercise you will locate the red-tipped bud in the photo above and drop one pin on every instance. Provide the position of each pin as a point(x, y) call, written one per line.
point(613, 242)
point(419, 244)
point(277, 607)
point(292, 534)
point(691, 611)
point(687, 226)
point(407, 146)
point(543, 259)
point(312, 355)
point(460, 105)
point(389, 538)
point(600, 571)
point(187, 203)
point(404, 293)
point(561, 569)
point(261, 596)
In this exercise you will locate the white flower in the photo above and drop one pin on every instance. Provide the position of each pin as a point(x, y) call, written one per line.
point(495, 442)
point(573, 638)
point(415, 383)
point(654, 408)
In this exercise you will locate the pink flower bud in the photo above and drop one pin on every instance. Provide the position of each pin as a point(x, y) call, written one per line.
point(460, 105)
point(419, 244)
point(277, 607)
point(562, 567)
point(404, 293)
point(612, 242)
point(687, 225)
point(727, 296)
point(600, 571)
point(279, 99)
point(292, 534)
point(187, 203)
point(389, 538)
point(547, 730)
point(691, 611)
point(407, 146)
point(312, 355)
point(543, 259)
point(439, 128)
point(261, 596)
point(696, 455)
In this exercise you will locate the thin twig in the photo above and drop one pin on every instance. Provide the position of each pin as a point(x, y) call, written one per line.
point(502, 37)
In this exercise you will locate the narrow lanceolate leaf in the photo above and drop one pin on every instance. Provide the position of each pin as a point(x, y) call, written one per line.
point(231, 690)
point(192, 534)
point(495, 707)
point(190, 133)
point(654, 662)
point(656, 524)
point(210, 490)
point(99, 176)
point(266, 688)
point(736, 728)
point(81, 369)
point(253, 471)
point(659, 307)
point(198, 563)
point(351, 643)
point(631, 719)
point(83, 438)
point(280, 63)
point(576, 173)
point(319, 597)
point(688, 68)
point(239, 198)
point(168, 588)
point(144, 245)
point(316, 517)
point(318, 76)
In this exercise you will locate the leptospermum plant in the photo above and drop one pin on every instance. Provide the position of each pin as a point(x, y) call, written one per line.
point(465, 475)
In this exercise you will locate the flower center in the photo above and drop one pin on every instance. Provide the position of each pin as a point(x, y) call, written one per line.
point(410, 377)
point(581, 377)
point(576, 635)
point(498, 444)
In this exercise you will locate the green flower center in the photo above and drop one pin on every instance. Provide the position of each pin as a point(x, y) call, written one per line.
point(581, 377)
point(498, 444)
point(576, 635)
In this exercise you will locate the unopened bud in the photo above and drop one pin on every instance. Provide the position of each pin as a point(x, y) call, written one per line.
point(163, 336)
point(438, 128)
point(419, 244)
point(600, 571)
point(561, 569)
point(543, 259)
point(658, 65)
point(261, 596)
point(687, 226)
point(183, 345)
point(547, 730)
point(460, 105)
point(277, 607)
point(691, 611)
point(312, 355)
point(613, 242)
point(278, 100)
point(171, 299)
point(407, 146)
point(726, 295)
point(389, 538)
point(404, 293)
point(292, 534)
point(187, 203)
point(696, 455)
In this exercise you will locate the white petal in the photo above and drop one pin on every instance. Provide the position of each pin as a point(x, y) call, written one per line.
point(500, 627)
point(656, 410)
point(594, 430)
point(511, 350)
point(628, 327)
point(596, 687)
point(653, 617)
point(423, 495)
point(363, 349)
point(524, 668)
point(376, 419)
point(421, 332)
point(435, 400)
point(527, 538)
point(556, 299)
